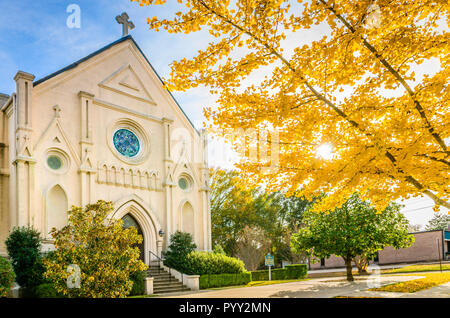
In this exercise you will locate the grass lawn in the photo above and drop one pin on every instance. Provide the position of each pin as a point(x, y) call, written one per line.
point(412, 286)
point(272, 282)
point(417, 268)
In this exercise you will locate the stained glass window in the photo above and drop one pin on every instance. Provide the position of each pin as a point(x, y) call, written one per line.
point(183, 183)
point(126, 143)
point(129, 221)
point(54, 162)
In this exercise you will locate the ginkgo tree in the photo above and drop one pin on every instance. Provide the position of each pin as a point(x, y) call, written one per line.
point(359, 87)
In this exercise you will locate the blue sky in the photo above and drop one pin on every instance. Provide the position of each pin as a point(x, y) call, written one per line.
point(36, 39)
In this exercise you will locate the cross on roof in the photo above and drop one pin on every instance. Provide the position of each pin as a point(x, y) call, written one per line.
point(126, 24)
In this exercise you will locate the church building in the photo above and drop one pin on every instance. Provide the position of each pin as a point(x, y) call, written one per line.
point(104, 127)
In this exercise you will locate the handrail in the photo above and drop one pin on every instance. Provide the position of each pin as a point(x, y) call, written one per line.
point(159, 259)
point(159, 267)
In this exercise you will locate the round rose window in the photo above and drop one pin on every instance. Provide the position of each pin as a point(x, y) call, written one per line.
point(54, 162)
point(126, 143)
point(183, 183)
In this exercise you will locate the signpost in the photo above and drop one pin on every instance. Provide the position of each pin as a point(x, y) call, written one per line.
point(269, 262)
point(439, 253)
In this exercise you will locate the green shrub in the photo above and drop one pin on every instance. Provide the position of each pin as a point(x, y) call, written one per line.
point(47, 290)
point(23, 246)
point(181, 244)
point(212, 281)
point(7, 276)
point(277, 274)
point(297, 271)
point(201, 263)
point(218, 249)
point(138, 279)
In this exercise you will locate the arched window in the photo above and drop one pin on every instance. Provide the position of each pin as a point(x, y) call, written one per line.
point(187, 219)
point(56, 207)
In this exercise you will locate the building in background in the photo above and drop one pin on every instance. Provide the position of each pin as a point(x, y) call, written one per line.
point(428, 246)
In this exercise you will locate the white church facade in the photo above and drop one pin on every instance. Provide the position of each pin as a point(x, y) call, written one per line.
point(105, 127)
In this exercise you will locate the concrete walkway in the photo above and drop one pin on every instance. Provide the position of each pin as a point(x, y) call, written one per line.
point(321, 288)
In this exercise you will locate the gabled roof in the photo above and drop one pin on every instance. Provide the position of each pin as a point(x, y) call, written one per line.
point(123, 39)
point(3, 99)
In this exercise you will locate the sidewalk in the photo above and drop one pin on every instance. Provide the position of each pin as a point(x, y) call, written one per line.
point(313, 288)
point(337, 272)
point(371, 267)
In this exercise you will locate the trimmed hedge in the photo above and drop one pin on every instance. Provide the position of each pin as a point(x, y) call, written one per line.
point(297, 271)
point(202, 263)
point(47, 290)
point(222, 280)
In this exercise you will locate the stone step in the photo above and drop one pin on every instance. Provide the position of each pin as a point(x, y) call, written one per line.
point(168, 287)
point(161, 276)
point(153, 267)
point(164, 282)
point(158, 272)
point(173, 283)
point(153, 273)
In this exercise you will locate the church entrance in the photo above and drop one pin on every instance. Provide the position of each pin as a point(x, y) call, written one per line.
point(129, 221)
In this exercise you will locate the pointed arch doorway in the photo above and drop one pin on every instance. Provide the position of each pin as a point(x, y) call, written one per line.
point(147, 224)
point(130, 221)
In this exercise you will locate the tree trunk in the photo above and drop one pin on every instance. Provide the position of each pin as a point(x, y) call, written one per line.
point(362, 263)
point(348, 265)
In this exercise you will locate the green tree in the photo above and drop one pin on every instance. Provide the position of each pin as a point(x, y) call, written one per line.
point(232, 208)
point(252, 245)
point(24, 248)
point(352, 231)
point(290, 215)
point(181, 244)
point(218, 249)
point(235, 205)
point(440, 221)
point(102, 250)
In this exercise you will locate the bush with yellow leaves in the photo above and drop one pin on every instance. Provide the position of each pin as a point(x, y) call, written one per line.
point(94, 254)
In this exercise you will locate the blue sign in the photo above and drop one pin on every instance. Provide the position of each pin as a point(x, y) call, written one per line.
point(269, 260)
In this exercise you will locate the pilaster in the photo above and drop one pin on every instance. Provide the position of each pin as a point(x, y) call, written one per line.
point(205, 193)
point(168, 183)
point(87, 169)
point(23, 158)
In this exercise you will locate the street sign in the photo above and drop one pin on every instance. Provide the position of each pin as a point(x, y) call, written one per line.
point(269, 262)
